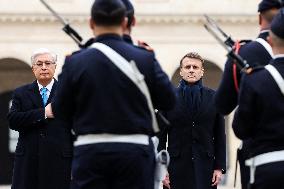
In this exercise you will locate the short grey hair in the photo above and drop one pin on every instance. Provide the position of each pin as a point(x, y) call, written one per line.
point(42, 51)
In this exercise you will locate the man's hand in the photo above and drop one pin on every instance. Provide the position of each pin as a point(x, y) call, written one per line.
point(217, 175)
point(48, 111)
point(166, 181)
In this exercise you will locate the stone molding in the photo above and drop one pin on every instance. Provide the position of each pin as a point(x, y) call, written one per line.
point(142, 19)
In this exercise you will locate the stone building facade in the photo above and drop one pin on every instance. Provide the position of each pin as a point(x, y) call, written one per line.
point(171, 27)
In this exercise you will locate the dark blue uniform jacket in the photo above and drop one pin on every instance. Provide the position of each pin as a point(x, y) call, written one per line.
point(99, 98)
point(261, 109)
point(226, 98)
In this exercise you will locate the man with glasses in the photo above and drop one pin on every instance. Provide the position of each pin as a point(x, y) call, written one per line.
point(44, 150)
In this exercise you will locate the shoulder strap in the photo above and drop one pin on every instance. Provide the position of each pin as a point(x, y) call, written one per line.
point(276, 76)
point(265, 45)
point(131, 71)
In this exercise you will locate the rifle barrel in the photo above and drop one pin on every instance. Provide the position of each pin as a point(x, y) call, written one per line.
point(227, 44)
point(54, 13)
point(214, 24)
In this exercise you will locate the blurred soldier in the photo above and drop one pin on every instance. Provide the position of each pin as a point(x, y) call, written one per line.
point(111, 116)
point(44, 149)
point(259, 116)
point(131, 21)
point(257, 53)
point(196, 136)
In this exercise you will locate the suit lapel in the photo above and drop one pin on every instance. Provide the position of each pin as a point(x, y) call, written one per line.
point(34, 95)
point(52, 92)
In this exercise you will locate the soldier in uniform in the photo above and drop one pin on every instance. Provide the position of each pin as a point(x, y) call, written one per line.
point(259, 116)
point(256, 53)
point(111, 116)
point(130, 14)
point(130, 22)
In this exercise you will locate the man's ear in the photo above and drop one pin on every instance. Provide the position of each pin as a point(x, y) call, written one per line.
point(259, 19)
point(202, 72)
point(124, 23)
point(180, 73)
point(133, 21)
point(92, 24)
point(269, 40)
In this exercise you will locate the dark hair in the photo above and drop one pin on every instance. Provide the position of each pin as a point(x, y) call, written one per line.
point(194, 55)
point(130, 16)
point(268, 15)
point(108, 12)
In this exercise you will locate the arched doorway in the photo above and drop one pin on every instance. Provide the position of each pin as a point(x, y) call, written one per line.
point(13, 73)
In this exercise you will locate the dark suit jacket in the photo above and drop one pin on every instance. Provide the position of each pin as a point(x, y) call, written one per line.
point(196, 144)
point(44, 150)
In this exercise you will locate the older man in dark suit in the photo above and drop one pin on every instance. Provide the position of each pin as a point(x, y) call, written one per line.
point(44, 150)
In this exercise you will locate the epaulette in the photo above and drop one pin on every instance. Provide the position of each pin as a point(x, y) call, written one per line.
point(145, 46)
point(70, 54)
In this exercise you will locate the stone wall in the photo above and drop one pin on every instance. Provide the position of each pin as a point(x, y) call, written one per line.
point(171, 27)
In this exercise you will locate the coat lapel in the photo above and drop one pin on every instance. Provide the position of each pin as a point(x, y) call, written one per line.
point(52, 92)
point(35, 95)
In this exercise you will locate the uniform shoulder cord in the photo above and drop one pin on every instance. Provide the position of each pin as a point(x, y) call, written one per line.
point(235, 77)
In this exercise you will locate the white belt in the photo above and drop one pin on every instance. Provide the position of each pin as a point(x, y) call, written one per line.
point(261, 159)
point(115, 138)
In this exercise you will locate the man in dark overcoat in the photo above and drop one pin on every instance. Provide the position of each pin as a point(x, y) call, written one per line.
point(196, 135)
point(44, 149)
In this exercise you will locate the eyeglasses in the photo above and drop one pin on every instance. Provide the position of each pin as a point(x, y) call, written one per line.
point(47, 63)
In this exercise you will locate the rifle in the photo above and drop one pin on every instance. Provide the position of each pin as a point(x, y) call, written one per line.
point(67, 28)
point(227, 42)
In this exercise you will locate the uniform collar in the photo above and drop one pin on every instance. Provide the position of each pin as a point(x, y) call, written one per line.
point(107, 37)
point(127, 39)
point(263, 34)
point(278, 60)
point(49, 86)
point(278, 56)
